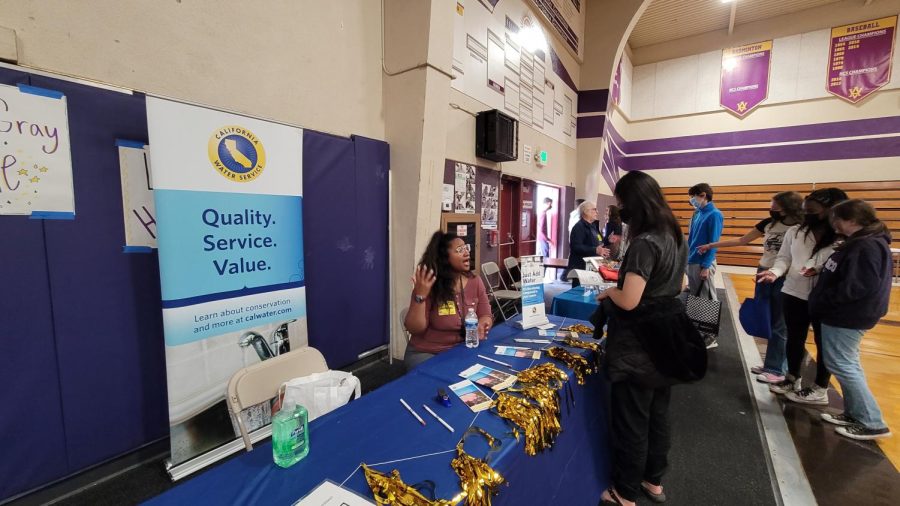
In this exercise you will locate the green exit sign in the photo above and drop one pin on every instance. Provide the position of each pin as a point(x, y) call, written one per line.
point(542, 157)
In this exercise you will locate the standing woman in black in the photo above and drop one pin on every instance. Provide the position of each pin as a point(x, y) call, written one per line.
point(651, 344)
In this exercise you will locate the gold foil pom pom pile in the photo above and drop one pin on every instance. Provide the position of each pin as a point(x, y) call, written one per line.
point(580, 328)
point(578, 343)
point(577, 363)
point(544, 374)
point(479, 482)
point(537, 422)
point(390, 489)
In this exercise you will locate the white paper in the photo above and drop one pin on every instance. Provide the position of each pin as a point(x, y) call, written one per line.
point(447, 198)
point(331, 494)
point(547, 326)
point(587, 278)
point(489, 207)
point(138, 210)
point(35, 159)
point(464, 189)
point(536, 341)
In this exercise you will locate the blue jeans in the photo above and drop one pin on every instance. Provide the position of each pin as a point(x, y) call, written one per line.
point(841, 348)
point(776, 356)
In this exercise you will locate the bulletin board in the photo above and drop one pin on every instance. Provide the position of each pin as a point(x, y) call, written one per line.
point(470, 224)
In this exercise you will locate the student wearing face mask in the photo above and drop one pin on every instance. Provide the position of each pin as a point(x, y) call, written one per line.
point(800, 259)
point(852, 294)
point(785, 211)
point(706, 228)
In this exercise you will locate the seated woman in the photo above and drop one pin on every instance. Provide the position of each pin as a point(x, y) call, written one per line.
point(443, 290)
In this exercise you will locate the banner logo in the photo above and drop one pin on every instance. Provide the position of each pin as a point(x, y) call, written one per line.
point(237, 153)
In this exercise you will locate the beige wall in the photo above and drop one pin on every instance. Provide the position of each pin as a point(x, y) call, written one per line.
point(311, 63)
point(832, 14)
point(461, 146)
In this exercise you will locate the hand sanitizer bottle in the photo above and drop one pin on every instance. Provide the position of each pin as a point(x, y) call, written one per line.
point(290, 435)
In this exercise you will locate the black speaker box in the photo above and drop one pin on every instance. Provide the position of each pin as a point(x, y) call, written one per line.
point(496, 136)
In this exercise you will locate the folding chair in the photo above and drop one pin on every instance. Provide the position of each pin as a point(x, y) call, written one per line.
point(503, 297)
point(512, 265)
point(260, 382)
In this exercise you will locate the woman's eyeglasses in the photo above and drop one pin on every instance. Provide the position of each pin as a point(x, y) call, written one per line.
point(459, 249)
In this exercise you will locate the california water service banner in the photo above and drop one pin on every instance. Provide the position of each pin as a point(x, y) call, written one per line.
point(227, 191)
point(35, 160)
point(859, 58)
point(745, 77)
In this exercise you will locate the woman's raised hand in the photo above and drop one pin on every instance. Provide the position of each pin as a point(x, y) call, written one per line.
point(423, 279)
point(766, 277)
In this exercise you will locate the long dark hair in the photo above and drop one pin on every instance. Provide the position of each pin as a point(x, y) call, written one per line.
point(791, 204)
point(614, 215)
point(863, 214)
point(437, 258)
point(648, 211)
point(827, 198)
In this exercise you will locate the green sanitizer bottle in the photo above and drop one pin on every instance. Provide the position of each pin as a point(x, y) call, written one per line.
point(290, 435)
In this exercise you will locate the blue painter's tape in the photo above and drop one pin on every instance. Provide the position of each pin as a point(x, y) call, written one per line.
point(137, 249)
point(42, 92)
point(130, 144)
point(51, 215)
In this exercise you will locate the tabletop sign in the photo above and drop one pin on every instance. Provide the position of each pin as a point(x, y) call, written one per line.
point(329, 492)
point(744, 80)
point(533, 310)
point(859, 58)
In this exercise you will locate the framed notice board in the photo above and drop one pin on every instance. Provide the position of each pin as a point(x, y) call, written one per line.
point(468, 228)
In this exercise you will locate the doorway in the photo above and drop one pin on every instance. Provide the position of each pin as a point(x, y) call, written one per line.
point(548, 222)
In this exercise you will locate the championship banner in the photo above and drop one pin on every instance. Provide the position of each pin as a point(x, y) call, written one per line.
point(228, 196)
point(533, 309)
point(744, 82)
point(859, 58)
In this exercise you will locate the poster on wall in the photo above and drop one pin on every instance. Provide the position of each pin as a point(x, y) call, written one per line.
point(35, 159)
point(744, 82)
point(859, 58)
point(139, 212)
point(447, 198)
point(228, 196)
point(489, 205)
point(464, 189)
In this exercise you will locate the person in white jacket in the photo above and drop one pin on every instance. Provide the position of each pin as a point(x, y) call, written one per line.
point(803, 252)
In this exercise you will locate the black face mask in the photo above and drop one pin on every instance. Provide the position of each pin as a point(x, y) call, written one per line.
point(812, 220)
point(624, 215)
point(777, 216)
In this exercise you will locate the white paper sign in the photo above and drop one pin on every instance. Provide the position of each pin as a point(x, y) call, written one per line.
point(137, 196)
point(330, 493)
point(447, 198)
point(35, 158)
point(533, 309)
point(587, 278)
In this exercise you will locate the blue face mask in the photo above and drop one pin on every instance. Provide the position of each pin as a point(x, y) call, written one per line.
point(694, 203)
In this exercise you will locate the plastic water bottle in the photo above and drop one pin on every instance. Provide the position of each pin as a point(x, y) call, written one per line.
point(471, 328)
point(290, 435)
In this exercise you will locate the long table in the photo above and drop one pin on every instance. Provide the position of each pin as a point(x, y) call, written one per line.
point(378, 431)
point(573, 304)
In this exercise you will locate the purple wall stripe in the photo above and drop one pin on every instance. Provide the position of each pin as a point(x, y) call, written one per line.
point(615, 136)
point(592, 101)
point(853, 128)
point(818, 151)
point(561, 71)
point(589, 127)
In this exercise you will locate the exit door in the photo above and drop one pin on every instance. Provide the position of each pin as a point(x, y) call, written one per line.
point(510, 190)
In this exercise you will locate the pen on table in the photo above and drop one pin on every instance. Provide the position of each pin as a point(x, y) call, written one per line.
point(445, 424)
point(413, 413)
point(498, 362)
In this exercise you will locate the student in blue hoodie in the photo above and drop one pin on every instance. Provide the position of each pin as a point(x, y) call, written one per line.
point(851, 295)
point(705, 228)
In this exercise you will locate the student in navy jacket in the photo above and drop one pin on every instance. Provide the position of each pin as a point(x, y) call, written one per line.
point(583, 240)
point(850, 297)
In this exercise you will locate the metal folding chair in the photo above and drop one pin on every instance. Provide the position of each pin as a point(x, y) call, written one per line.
point(512, 265)
point(507, 300)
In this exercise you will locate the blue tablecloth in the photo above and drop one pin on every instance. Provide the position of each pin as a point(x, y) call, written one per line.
point(377, 430)
point(573, 304)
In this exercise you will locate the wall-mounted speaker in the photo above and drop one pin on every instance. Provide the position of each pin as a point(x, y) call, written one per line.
point(496, 136)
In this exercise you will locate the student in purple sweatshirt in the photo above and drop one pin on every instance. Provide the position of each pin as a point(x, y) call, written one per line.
point(850, 297)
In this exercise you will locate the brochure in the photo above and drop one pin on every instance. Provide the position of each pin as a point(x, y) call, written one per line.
point(518, 352)
point(471, 395)
point(491, 378)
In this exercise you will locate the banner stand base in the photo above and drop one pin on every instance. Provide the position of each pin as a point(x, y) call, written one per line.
point(522, 324)
point(197, 463)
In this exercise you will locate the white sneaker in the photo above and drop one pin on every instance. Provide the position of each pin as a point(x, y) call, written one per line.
point(809, 395)
point(769, 378)
point(785, 386)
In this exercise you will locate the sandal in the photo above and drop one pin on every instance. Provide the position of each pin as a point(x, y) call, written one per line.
point(657, 498)
point(615, 499)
